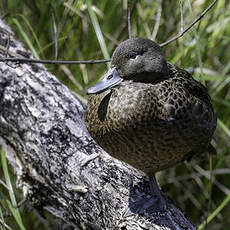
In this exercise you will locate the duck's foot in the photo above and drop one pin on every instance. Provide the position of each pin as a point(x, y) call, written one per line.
point(154, 203)
point(155, 190)
point(143, 205)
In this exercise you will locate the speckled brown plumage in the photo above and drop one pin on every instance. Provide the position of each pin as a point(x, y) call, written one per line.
point(154, 119)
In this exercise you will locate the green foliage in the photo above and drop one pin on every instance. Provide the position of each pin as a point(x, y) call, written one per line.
point(11, 202)
point(91, 30)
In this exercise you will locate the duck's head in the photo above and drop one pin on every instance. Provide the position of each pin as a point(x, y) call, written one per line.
point(136, 59)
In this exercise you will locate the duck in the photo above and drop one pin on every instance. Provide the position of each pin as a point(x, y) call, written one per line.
point(148, 112)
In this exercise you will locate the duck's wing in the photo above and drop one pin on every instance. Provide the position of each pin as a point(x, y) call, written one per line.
point(194, 87)
point(199, 91)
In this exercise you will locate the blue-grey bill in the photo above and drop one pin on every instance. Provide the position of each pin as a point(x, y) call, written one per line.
point(110, 79)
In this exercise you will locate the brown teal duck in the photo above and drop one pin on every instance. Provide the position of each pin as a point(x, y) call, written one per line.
point(148, 112)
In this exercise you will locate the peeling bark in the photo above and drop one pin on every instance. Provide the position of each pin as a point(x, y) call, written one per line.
point(58, 165)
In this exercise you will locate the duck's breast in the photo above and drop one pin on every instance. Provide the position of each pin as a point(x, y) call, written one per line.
point(149, 125)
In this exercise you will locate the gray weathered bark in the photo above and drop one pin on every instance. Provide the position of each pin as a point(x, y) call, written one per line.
point(58, 165)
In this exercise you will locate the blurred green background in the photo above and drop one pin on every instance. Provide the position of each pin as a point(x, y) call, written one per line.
point(200, 189)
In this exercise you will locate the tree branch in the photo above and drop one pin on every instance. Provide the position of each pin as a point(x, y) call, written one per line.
point(31, 60)
point(58, 165)
point(182, 32)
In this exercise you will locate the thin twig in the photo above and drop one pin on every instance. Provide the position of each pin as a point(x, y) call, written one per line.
point(180, 34)
point(158, 19)
point(129, 23)
point(28, 60)
point(19, 58)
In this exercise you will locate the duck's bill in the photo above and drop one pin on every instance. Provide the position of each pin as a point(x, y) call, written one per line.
point(110, 79)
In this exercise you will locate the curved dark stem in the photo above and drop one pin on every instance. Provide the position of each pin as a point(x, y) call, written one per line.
point(181, 33)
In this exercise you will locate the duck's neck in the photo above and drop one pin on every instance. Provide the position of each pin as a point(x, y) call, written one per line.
point(147, 77)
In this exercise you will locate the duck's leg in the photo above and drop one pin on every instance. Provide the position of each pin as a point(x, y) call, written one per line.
point(155, 190)
point(155, 203)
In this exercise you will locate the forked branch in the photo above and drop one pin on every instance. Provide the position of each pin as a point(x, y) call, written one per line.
point(183, 31)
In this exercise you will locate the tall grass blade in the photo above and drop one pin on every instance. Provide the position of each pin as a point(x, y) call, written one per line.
point(224, 127)
point(33, 33)
point(97, 29)
point(215, 213)
point(12, 203)
point(27, 39)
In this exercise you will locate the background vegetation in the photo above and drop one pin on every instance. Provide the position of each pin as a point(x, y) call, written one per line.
point(205, 49)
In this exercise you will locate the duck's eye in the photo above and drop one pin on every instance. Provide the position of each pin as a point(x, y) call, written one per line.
point(132, 55)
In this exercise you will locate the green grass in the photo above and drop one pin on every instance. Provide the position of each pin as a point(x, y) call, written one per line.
point(11, 202)
point(91, 30)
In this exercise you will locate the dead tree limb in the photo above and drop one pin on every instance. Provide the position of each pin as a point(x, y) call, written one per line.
point(58, 165)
